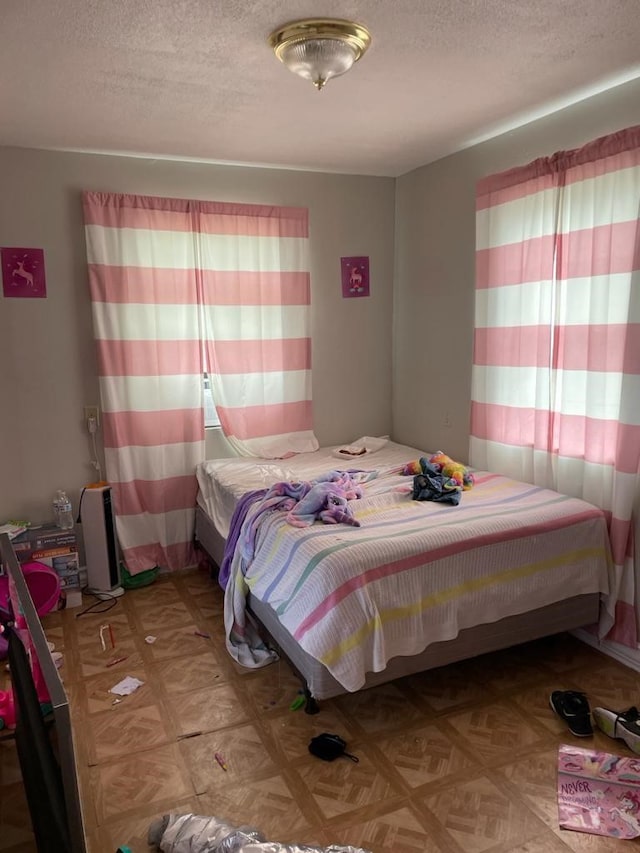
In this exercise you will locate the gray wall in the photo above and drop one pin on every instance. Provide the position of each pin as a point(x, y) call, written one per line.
point(47, 354)
point(434, 282)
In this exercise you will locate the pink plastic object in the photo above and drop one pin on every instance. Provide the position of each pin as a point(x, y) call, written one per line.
point(7, 710)
point(43, 583)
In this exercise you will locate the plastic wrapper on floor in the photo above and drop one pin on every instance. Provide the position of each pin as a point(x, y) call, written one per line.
point(189, 833)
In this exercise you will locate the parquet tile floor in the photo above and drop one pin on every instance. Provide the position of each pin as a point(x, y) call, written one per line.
point(462, 758)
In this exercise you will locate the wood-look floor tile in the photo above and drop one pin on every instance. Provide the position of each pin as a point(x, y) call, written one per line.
point(55, 635)
point(15, 822)
point(380, 708)
point(86, 629)
point(310, 835)
point(446, 688)
point(210, 599)
point(152, 778)
point(95, 844)
point(610, 685)
point(119, 732)
point(53, 619)
point(291, 732)
point(563, 653)
point(267, 804)
point(534, 778)
point(461, 758)
point(211, 614)
point(85, 789)
point(505, 670)
point(425, 754)
point(207, 709)
point(178, 642)
point(72, 688)
point(162, 620)
point(391, 832)
point(199, 582)
point(494, 732)
point(133, 831)
point(95, 694)
point(534, 702)
point(244, 751)
point(479, 816)
point(342, 786)
point(179, 675)
point(9, 763)
point(545, 843)
point(160, 594)
point(94, 661)
point(273, 688)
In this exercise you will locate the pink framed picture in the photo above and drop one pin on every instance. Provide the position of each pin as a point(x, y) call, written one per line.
point(23, 272)
point(355, 276)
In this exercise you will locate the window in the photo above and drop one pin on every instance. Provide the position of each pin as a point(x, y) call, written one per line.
point(211, 418)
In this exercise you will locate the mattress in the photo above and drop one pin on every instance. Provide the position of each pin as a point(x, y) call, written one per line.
point(222, 482)
point(415, 573)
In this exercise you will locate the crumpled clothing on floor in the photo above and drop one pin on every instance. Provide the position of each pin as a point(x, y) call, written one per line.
point(189, 833)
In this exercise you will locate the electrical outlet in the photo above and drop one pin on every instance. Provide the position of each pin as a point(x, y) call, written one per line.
point(92, 412)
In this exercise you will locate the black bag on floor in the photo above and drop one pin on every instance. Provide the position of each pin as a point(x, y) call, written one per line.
point(328, 747)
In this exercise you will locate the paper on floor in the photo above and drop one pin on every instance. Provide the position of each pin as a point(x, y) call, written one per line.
point(126, 686)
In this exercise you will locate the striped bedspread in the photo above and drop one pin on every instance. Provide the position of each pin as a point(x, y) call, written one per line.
point(414, 573)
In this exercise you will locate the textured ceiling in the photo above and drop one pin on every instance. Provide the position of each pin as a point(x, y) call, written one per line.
point(196, 78)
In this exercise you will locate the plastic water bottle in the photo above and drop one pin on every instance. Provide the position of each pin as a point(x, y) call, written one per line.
point(63, 511)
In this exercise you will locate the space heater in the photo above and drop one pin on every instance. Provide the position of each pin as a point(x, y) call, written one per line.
point(100, 542)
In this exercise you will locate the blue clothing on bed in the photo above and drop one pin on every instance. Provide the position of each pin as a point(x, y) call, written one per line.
point(431, 485)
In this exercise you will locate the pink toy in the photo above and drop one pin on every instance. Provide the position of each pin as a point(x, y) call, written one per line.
point(7, 710)
point(445, 465)
point(43, 583)
point(452, 469)
point(327, 501)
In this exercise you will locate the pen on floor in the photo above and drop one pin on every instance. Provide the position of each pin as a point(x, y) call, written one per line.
point(221, 761)
point(117, 660)
point(202, 634)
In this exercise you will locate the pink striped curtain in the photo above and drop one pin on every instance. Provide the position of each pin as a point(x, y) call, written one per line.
point(556, 375)
point(256, 298)
point(159, 270)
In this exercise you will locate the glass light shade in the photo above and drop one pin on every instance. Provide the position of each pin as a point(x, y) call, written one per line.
point(318, 60)
point(319, 50)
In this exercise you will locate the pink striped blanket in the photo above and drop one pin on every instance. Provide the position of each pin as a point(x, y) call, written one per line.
point(414, 573)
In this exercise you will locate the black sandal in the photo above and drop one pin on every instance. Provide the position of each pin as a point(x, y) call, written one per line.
point(574, 709)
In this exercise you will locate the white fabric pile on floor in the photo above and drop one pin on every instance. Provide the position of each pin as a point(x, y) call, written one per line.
point(189, 833)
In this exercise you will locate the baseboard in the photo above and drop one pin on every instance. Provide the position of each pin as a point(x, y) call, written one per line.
point(623, 654)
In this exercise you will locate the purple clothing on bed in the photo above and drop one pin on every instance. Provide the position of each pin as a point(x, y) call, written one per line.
point(324, 498)
point(237, 519)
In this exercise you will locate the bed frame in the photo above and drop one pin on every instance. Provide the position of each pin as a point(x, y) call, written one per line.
point(564, 615)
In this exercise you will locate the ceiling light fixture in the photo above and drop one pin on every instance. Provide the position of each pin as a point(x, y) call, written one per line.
point(319, 49)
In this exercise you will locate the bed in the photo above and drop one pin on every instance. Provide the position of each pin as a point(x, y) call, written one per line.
point(418, 585)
